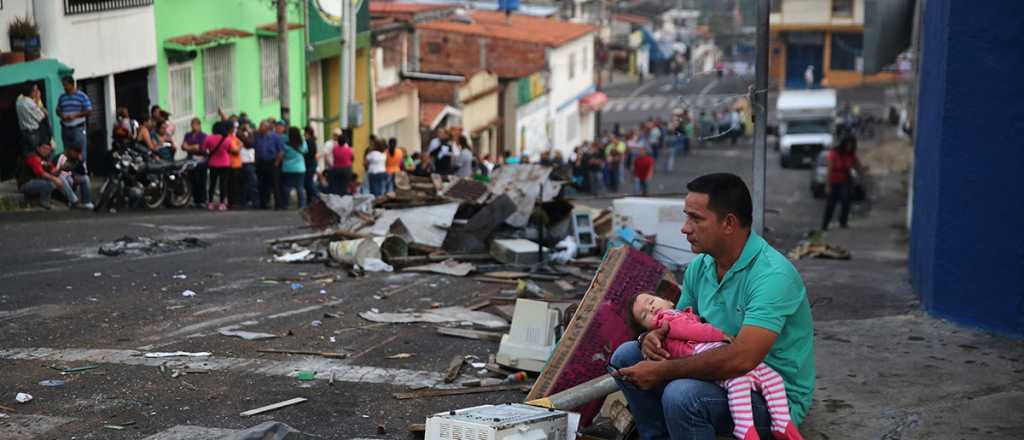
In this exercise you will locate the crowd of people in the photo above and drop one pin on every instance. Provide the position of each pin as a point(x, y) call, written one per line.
point(38, 172)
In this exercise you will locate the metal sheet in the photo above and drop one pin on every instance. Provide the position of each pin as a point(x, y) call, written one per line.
point(426, 225)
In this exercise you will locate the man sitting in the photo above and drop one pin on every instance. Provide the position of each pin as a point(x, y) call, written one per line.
point(743, 287)
point(38, 177)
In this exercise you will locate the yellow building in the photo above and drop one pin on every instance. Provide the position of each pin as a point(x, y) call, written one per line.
point(825, 37)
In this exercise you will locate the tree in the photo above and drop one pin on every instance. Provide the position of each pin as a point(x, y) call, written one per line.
point(284, 92)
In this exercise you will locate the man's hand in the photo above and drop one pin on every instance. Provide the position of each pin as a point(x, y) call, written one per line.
point(652, 346)
point(644, 375)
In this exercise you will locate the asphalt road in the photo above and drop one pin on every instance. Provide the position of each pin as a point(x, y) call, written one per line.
point(62, 304)
point(632, 104)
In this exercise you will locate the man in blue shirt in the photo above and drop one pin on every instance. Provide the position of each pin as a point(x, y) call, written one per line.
point(269, 148)
point(73, 107)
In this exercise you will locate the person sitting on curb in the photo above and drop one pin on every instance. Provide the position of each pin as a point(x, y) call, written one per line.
point(38, 177)
point(748, 290)
point(73, 174)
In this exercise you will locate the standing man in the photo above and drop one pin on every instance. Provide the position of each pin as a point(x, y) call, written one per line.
point(744, 287)
point(31, 117)
point(269, 148)
point(73, 107)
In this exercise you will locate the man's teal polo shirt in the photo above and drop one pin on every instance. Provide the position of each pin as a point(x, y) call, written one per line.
point(761, 289)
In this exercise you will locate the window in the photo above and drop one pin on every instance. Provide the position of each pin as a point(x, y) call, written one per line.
point(586, 60)
point(572, 66)
point(270, 70)
point(219, 79)
point(847, 51)
point(180, 89)
point(73, 7)
point(842, 8)
point(572, 124)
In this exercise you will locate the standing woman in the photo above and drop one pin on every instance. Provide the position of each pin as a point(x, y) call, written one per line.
point(235, 174)
point(376, 170)
point(312, 157)
point(393, 164)
point(293, 168)
point(839, 182)
point(339, 165)
point(218, 146)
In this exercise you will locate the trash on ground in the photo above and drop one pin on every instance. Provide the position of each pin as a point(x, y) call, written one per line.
point(444, 314)
point(52, 383)
point(188, 294)
point(564, 285)
point(305, 375)
point(531, 339)
point(421, 394)
point(164, 354)
point(7, 408)
point(425, 226)
point(470, 334)
point(294, 256)
point(565, 251)
point(454, 368)
point(23, 397)
point(79, 369)
point(305, 352)
point(296, 286)
point(128, 245)
point(248, 336)
point(401, 356)
point(447, 267)
point(376, 265)
point(529, 289)
point(179, 276)
point(272, 407)
point(516, 251)
point(818, 249)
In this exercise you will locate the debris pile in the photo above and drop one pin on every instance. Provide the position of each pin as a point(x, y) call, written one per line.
point(129, 245)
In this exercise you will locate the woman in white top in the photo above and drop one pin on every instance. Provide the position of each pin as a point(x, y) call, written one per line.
point(376, 170)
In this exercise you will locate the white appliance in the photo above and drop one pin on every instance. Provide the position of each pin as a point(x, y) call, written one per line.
point(513, 421)
point(530, 341)
point(662, 218)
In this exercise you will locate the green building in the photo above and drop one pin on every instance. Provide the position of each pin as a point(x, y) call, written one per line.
point(223, 54)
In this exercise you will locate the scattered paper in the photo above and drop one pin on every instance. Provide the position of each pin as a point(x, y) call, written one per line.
point(444, 314)
point(248, 336)
point(188, 294)
point(376, 265)
point(23, 397)
point(163, 354)
point(447, 267)
point(401, 356)
point(293, 257)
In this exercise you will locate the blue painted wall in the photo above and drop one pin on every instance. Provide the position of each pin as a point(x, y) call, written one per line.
point(967, 239)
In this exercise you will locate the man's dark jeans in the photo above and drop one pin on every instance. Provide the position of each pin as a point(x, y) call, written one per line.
point(269, 181)
point(683, 408)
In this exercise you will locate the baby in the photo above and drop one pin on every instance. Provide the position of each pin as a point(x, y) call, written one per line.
point(689, 334)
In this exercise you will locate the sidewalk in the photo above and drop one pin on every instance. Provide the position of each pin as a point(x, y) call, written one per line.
point(13, 200)
point(886, 370)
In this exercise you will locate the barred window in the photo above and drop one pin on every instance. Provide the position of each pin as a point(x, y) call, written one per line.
point(219, 79)
point(180, 90)
point(270, 73)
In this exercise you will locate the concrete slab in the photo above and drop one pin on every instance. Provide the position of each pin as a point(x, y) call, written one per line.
point(29, 426)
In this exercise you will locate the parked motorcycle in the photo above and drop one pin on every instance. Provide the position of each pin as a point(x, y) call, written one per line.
point(141, 178)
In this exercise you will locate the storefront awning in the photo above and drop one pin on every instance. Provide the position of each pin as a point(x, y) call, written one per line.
point(190, 42)
point(33, 71)
point(593, 102)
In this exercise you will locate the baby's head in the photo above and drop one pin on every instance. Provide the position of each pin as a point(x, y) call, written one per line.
point(642, 309)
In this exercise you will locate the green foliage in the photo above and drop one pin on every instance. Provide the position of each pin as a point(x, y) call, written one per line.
point(22, 27)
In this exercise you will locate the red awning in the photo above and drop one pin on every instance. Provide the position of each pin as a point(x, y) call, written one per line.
point(593, 102)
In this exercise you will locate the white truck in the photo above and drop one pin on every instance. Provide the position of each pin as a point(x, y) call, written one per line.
point(806, 125)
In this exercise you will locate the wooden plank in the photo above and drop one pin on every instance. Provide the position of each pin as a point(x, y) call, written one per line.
point(564, 285)
point(306, 352)
point(272, 407)
point(7, 409)
point(470, 334)
point(454, 367)
point(505, 311)
point(495, 280)
point(479, 304)
point(417, 427)
point(423, 394)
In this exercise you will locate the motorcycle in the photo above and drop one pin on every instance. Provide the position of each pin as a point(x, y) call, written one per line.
point(139, 177)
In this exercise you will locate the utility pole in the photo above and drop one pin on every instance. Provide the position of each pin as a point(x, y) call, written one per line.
point(282, 59)
point(346, 71)
point(759, 101)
